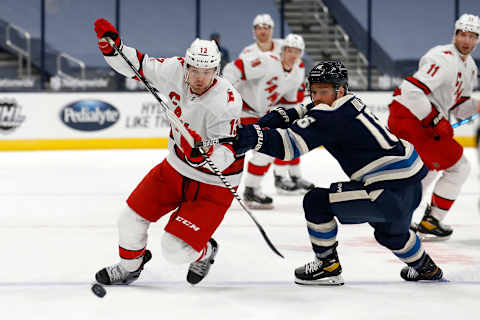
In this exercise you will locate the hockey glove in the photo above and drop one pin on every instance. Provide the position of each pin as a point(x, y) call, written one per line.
point(279, 117)
point(440, 126)
point(105, 31)
point(193, 155)
point(248, 137)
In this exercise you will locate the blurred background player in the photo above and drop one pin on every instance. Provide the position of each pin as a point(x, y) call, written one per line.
point(262, 32)
point(420, 112)
point(287, 174)
point(385, 175)
point(265, 80)
point(209, 107)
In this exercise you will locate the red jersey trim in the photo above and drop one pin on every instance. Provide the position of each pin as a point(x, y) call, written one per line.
point(459, 102)
point(419, 84)
point(239, 64)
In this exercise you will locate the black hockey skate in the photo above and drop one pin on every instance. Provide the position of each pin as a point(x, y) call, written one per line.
point(285, 186)
point(255, 199)
point(428, 270)
point(322, 271)
point(431, 229)
point(117, 274)
point(199, 270)
point(302, 185)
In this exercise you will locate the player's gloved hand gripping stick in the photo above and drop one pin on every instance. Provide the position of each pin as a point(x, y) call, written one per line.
point(194, 143)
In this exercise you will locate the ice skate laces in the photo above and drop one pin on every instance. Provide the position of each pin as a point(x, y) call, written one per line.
point(116, 273)
point(313, 266)
point(200, 267)
point(412, 273)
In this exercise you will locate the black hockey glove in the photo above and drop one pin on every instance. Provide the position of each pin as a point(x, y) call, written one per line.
point(280, 117)
point(248, 137)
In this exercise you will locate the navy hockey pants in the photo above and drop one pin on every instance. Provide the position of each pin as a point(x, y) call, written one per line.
point(388, 211)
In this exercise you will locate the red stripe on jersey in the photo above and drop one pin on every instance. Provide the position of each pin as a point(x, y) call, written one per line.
point(441, 203)
point(239, 64)
point(419, 84)
point(459, 102)
point(246, 107)
point(257, 170)
point(140, 57)
point(287, 162)
point(397, 92)
point(130, 254)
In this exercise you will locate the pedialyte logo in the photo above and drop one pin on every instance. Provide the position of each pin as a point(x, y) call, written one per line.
point(89, 115)
point(11, 116)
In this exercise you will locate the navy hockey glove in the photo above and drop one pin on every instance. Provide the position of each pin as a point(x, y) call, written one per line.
point(280, 117)
point(248, 137)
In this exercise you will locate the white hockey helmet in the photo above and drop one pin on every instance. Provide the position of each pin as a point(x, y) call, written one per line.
point(295, 41)
point(468, 23)
point(263, 18)
point(203, 54)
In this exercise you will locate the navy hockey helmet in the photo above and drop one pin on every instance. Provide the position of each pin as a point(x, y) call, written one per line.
point(333, 72)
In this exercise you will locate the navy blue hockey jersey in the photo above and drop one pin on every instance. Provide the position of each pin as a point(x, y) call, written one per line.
point(365, 149)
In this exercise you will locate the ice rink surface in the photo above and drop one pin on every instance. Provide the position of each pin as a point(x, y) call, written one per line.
point(57, 228)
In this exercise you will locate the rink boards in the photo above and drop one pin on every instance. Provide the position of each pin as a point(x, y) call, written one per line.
point(56, 121)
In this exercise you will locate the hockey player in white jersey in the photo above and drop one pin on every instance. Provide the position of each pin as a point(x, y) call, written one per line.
point(287, 174)
point(420, 112)
point(262, 32)
point(182, 183)
point(265, 80)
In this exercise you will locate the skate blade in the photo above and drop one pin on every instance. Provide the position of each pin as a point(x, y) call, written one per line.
point(427, 237)
point(330, 281)
point(258, 206)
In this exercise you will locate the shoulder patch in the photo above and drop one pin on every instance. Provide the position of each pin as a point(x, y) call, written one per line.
point(448, 52)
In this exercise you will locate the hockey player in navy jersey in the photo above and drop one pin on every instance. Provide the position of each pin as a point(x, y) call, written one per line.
point(385, 174)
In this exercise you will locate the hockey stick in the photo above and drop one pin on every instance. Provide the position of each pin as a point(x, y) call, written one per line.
point(459, 123)
point(176, 122)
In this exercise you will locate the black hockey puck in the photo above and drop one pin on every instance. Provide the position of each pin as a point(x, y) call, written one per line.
point(99, 290)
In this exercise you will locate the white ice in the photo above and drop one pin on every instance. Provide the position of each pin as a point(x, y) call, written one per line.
point(57, 228)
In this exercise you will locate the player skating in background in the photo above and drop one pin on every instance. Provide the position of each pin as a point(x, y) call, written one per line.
point(265, 80)
point(385, 175)
point(262, 32)
point(210, 107)
point(420, 111)
point(287, 174)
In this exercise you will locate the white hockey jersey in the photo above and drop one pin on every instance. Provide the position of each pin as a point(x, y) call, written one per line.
point(255, 49)
point(214, 114)
point(444, 80)
point(263, 83)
